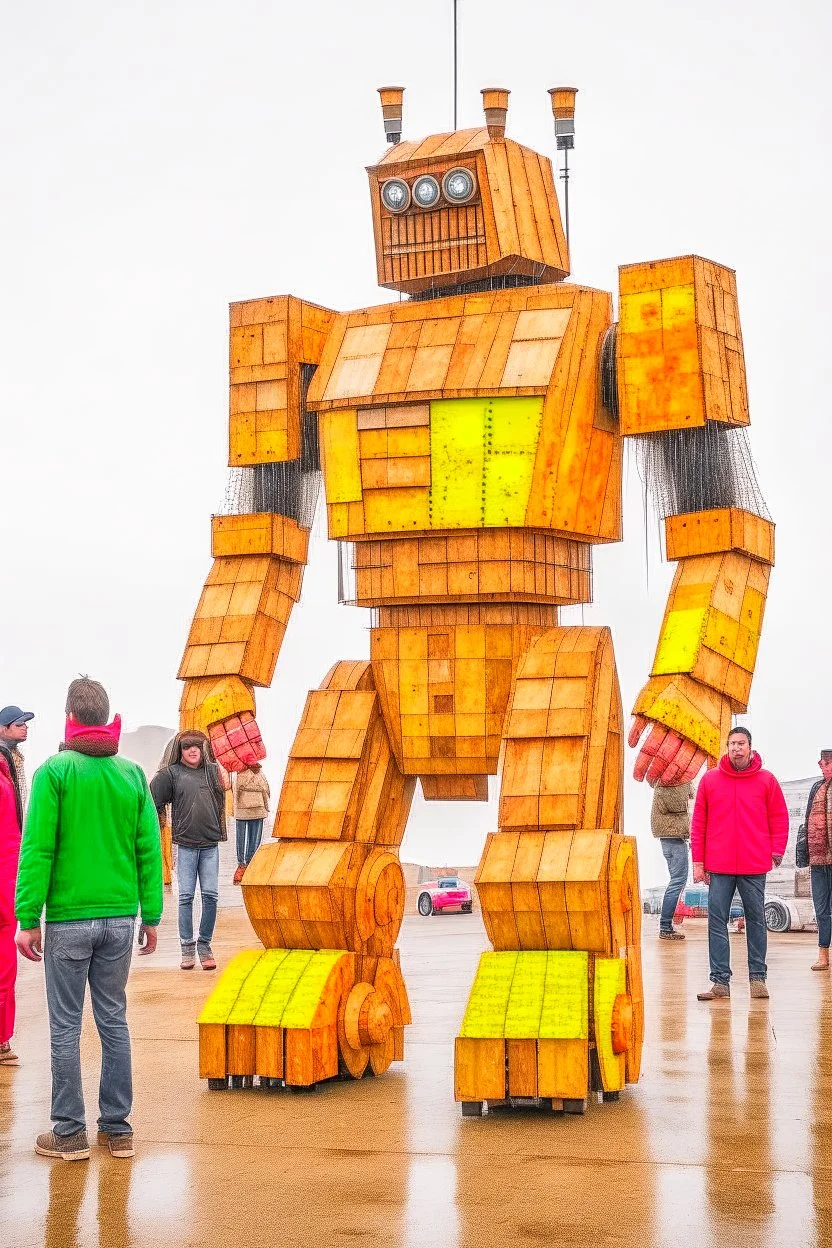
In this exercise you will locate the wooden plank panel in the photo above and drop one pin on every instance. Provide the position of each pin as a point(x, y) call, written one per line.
point(479, 1069)
point(563, 1068)
point(522, 1067)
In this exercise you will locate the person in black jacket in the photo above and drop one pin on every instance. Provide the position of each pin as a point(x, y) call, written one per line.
point(192, 785)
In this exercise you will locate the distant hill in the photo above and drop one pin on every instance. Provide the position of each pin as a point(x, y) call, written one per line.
point(146, 745)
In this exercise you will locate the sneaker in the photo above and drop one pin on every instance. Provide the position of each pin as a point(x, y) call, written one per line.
point(716, 992)
point(238, 875)
point(759, 989)
point(188, 958)
point(673, 934)
point(206, 958)
point(7, 1054)
point(68, 1147)
point(119, 1145)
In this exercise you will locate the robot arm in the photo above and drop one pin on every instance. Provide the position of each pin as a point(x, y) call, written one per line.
point(261, 546)
point(681, 382)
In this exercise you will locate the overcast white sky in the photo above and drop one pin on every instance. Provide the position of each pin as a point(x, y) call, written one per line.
point(163, 160)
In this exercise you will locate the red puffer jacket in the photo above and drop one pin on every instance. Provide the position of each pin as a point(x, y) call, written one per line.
point(740, 819)
point(9, 846)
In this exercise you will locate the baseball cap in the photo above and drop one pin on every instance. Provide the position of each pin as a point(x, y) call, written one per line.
point(14, 715)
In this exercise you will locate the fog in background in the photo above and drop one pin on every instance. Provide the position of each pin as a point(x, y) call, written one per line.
point(163, 161)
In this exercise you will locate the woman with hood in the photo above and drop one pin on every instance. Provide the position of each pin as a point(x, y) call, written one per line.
point(193, 785)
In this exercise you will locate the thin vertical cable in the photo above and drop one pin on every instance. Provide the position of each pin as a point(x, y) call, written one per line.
point(456, 70)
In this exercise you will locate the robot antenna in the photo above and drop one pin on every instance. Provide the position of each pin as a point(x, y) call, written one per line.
point(563, 111)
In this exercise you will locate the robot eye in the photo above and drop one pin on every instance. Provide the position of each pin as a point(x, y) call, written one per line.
point(458, 185)
point(395, 195)
point(426, 191)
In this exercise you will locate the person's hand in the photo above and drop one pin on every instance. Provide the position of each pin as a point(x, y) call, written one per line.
point(777, 859)
point(151, 936)
point(237, 742)
point(30, 943)
point(700, 875)
point(665, 757)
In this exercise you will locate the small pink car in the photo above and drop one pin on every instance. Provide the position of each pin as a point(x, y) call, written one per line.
point(447, 893)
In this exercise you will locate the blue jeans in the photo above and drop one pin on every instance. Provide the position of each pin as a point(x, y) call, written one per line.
point(95, 952)
point(676, 856)
point(203, 865)
point(822, 898)
point(752, 891)
point(249, 833)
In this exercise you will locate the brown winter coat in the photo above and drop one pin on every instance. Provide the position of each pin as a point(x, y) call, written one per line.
point(669, 816)
point(251, 795)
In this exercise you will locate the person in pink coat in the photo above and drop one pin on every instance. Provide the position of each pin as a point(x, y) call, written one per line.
point(11, 815)
point(739, 830)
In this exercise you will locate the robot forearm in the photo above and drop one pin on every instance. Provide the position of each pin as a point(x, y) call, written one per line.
point(242, 614)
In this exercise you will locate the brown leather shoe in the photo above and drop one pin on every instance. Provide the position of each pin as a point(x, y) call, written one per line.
point(238, 875)
point(119, 1145)
point(716, 992)
point(759, 989)
point(67, 1147)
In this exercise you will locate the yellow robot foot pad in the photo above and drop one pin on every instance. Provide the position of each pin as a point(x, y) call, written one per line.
point(298, 1016)
point(527, 1030)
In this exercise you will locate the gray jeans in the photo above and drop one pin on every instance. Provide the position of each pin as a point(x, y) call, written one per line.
point(98, 952)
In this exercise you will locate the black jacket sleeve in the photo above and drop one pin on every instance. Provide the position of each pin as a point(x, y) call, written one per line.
point(161, 788)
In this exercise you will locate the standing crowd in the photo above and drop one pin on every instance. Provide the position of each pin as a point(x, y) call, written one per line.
point(87, 867)
point(90, 863)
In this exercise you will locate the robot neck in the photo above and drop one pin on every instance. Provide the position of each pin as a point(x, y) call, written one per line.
point(506, 281)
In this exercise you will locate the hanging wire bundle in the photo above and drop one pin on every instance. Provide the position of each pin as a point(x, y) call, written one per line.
point(687, 470)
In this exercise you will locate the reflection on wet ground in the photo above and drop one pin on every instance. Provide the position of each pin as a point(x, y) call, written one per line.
point(727, 1140)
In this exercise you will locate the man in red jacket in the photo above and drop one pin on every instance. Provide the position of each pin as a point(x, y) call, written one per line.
point(738, 832)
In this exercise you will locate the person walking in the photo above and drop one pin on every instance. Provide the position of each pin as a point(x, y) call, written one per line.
point(191, 785)
point(670, 822)
point(251, 805)
point(90, 855)
point(11, 821)
point(14, 728)
point(739, 830)
point(814, 850)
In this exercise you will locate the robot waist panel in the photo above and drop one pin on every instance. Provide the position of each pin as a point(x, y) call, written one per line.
point(444, 676)
point(485, 566)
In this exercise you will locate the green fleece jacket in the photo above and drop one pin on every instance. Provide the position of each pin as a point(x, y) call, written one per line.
point(90, 846)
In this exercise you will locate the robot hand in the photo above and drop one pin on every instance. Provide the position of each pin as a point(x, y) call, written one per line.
point(665, 757)
point(237, 742)
point(224, 708)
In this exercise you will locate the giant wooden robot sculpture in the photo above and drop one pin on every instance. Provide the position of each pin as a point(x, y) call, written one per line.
point(470, 441)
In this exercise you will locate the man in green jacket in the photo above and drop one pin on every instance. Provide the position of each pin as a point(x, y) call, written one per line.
point(91, 855)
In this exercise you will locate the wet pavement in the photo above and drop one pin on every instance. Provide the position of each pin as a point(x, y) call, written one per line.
point(727, 1139)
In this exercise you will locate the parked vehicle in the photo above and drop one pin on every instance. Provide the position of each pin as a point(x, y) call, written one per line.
point(447, 893)
point(693, 904)
point(783, 914)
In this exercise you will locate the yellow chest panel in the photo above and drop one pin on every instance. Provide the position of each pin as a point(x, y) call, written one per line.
point(469, 412)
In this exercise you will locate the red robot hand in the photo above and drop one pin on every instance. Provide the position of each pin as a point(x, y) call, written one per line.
point(237, 742)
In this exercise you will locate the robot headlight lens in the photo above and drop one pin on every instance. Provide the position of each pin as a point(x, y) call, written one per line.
point(395, 195)
point(426, 191)
point(458, 185)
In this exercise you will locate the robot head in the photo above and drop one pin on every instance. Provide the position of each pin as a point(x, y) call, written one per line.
point(458, 208)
